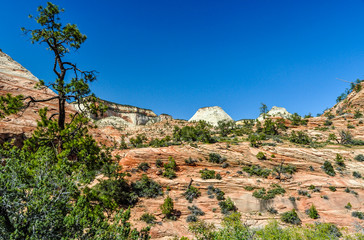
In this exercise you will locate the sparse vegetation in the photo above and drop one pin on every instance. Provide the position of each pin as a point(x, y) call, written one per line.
point(291, 217)
point(328, 168)
point(146, 187)
point(216, 158)
point(168, 208)
point(191, 193)
point(257, 171)
point(358, 214)
point(261, 156)
point(143, 166)
point(227, 206)
point(299, 137)
point(170, 168)
point(270, 194)
point(312, 212)
point(207, 174)
point(148, 218)
point(359, 158)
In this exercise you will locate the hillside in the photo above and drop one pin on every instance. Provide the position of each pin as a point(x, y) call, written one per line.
point(242, 168)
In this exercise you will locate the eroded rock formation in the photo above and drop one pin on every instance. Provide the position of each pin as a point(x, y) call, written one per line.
point(211, 115)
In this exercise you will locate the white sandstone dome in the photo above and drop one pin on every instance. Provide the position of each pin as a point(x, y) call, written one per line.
point(276, 112)
point(211, 115)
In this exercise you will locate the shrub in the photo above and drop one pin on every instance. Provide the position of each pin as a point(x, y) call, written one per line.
point(220, 195)
point(272, 210)
point(357, 214)
point(332, 188)
point(291, 217)
point(348, 206)
point(227, 206)
point(358, 114)
point(148, 218)
point(147, 187)
point(169, 173)
point(207, 174)
point(356, 174)
point(158, 163)
point(191, 218)
point(328, 122)
point(225, 165)
point(359, 158)
point(249, 188)
point(328, 168)
point(218, 176)
point(192, 193)
point(216, 158)
point(303, 193)
point(300, 138)
point(143, 166)
point(257, 170)
point(170, 168)
point(201, 132)
point(339, 160)
point(347, 190)
point(270, 194)
point(139, 141)
point(256, 139)
point(312, 212)
point(168, 208)
point(261, 156)
point(191, 162)
point(196, 211)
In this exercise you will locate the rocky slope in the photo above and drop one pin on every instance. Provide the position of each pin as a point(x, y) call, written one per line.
point(211, 115)
point(354, 101)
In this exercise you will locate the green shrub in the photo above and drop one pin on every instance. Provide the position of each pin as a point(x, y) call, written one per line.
point(201, 132)
point(143, 166)
point(196, 211)
point(169, 173)
point(257, 170)
point(291, 217)
point(249, 188)
point(270, 194)
point(332, 188)
point(191, 162)
point(168, 208)
point(356, 174)
point(158, 163)
point(328, 168)
point(300, 138)
point(357, 214)
point(339, 160)
point(170, 168)
point(359, 158)
point(358, 114)
point(191, 218)
point(303, 193)
point(297, 120)
point(348, 206)
point(227, 206)
point(312, 212)
point(139, 141)
point(225, 165)
point(146, 187)
point(191, 193)
point(261, 156)
point(207, 174)
point(148, 218)
point(216, 158)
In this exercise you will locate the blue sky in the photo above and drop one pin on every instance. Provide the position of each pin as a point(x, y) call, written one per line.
point(175, 56)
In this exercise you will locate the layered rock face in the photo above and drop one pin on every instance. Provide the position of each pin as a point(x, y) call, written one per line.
point(211, 115)
point(119, 116)
point(276, 112)
point(16, 80)
point(354, 101)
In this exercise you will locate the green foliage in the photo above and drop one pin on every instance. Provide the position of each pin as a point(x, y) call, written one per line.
point(207, 174)
point(312, 212)
point(340, 160)
point(348, 206)
point(158, 163)
point(356, 174)
point(249, 188)
point(354, 86)
point(143, 166)
point(225, 127)
point(170, 168)
point(297, 120)
point(10, 104)
point(271, 127)
point(191, 193)
point(358, 114)
point(270, 194)
point(257, 171)
point(263, 110)
point(191, 162)
point(216, 158)
point(146, 187)
point(227, 206)
point(299, 137)
point(332, 188)
point(358, 214)
point(328, 168)
point(291, 217)
point(139, 141)
point(168, 208)
point(148, 218)
point(261, 156)
point(201, 133)
point(195, 212)
point(359, 158)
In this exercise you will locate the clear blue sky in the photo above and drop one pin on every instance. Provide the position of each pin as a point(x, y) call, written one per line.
point(175, 56)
